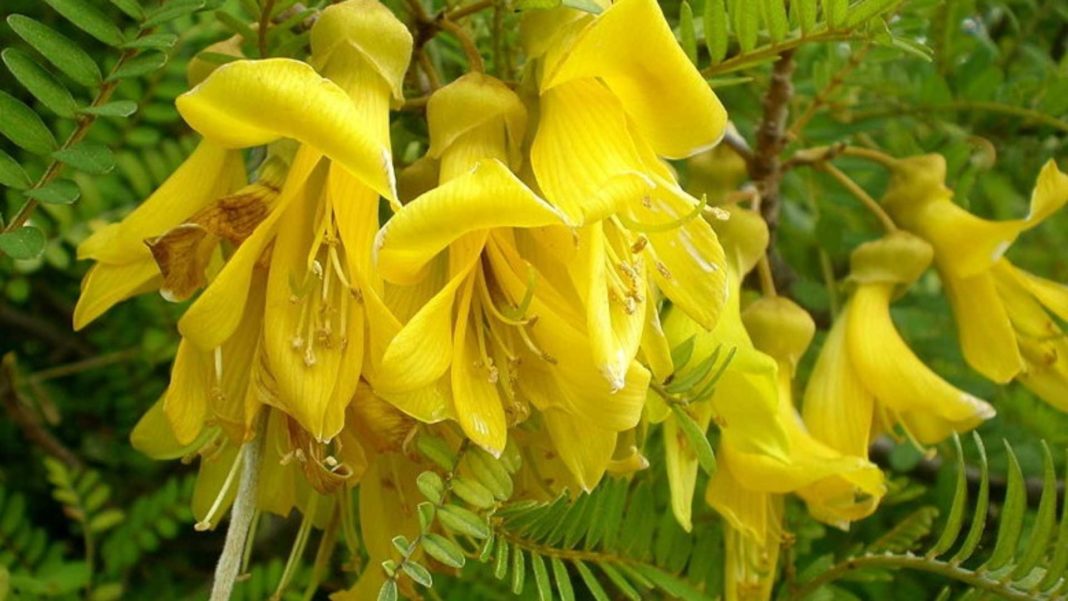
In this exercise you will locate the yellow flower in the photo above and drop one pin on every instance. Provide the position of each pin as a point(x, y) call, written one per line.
point(610, 106)
point(476, 126)
point(313, 334)
point(748, 487)
point(1003, 329)
point(124, 265)
point(866, 377)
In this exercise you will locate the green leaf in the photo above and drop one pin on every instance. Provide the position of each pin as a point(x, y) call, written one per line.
point(1012, 515)
point(747, 24)
point(12, 174)
point(588, 6)
point(388, 592)
point(697, 439)
point(402, 545)
point(436, 450)
point(1059, 564)
point(418, 573)
point(804, 13)
point(426, 515)
point(541, 577)
point(563, 580)
point(591, 581)
point(89, 19)
point(519, 571)
point(834, 12)
point(106, 520)
point(904, 536)
point(864, 10)
point(43, 85)
point(27, 242)
point(431, 485)
point(537, 4)
point(131, 8)
point(443, 550)
point(91, 157)
point(57, 192)
point(500, 567)
point(57, 49)
point(235, 25)
point(715, 21)
point(139, 65)
point(1045, 518)
point(490, 472)
point(22, 126)
point(975, 532)
point(620, 582)
point(117, 108)
point(955, 519)
point(472, 492)
point(170, 11)
point(687, 35)
point(775, 16)
point(153, 41)
point(672, 585)
point(463, 521)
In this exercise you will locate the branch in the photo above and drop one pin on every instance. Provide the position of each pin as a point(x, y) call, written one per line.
point(29, 424)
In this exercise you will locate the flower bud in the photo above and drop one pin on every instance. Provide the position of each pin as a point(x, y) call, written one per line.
point(897, 258)
point(779, 327)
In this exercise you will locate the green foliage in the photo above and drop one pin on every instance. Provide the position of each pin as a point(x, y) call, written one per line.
point(1031, 570)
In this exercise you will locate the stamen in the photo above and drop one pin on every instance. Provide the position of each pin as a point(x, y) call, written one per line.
point(667, 226)
point(206, 523)
point(534, 347)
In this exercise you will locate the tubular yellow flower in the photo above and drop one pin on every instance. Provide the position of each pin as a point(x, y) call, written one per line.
point(313, 338)
point(984, 288)
point(476, 126)
point(609, 107)
point(866, 374)
point(747, 489)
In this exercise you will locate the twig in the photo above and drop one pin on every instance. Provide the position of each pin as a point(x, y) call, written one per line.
point(761, 54)
point(861, 195)
point(61, 371)
point(738, 144)
point(470, 9)
point(474, 58)
point(45, 330)
point(80, 131)
point(765, 169)
point(264, 26)
point(26, 421)
point(969, 105)
point(821, 98)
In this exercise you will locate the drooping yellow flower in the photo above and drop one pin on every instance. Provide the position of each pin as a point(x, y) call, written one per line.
point(124, 265)
point(610, 106)
point(866, 378)
point(313, 334)
point(464, 329)
point(748, 487)
point(1004, 331)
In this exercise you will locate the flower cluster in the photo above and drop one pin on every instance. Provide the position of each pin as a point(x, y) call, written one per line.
point(540, 285)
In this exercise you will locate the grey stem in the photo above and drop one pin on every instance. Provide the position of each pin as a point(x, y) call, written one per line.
point(226, 571)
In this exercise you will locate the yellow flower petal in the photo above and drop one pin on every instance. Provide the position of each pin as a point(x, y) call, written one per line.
point(209, 173)
point(615, 311)
point(687, 262)
point(250, 103)
point(188, 396)
point(472, 101)
point(898, 378)
point(214, 316)
point(983, 327)
point(585, 448)
point(681, 463)
point(370, 30)
point(106, 284)
point(631, 48)
point(154, 437)
point(1049, 195)
point(488, 197)
point(1052, 295)
point(837, 407)
point(474, 384)
point(583, 156)
point(313, 337)
point(422, 350)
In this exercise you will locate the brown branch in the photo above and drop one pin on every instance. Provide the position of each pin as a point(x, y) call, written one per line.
point(26, 421)
point(61, 339)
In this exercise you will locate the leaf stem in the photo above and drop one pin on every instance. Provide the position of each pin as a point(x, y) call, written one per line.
point(932, 566)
